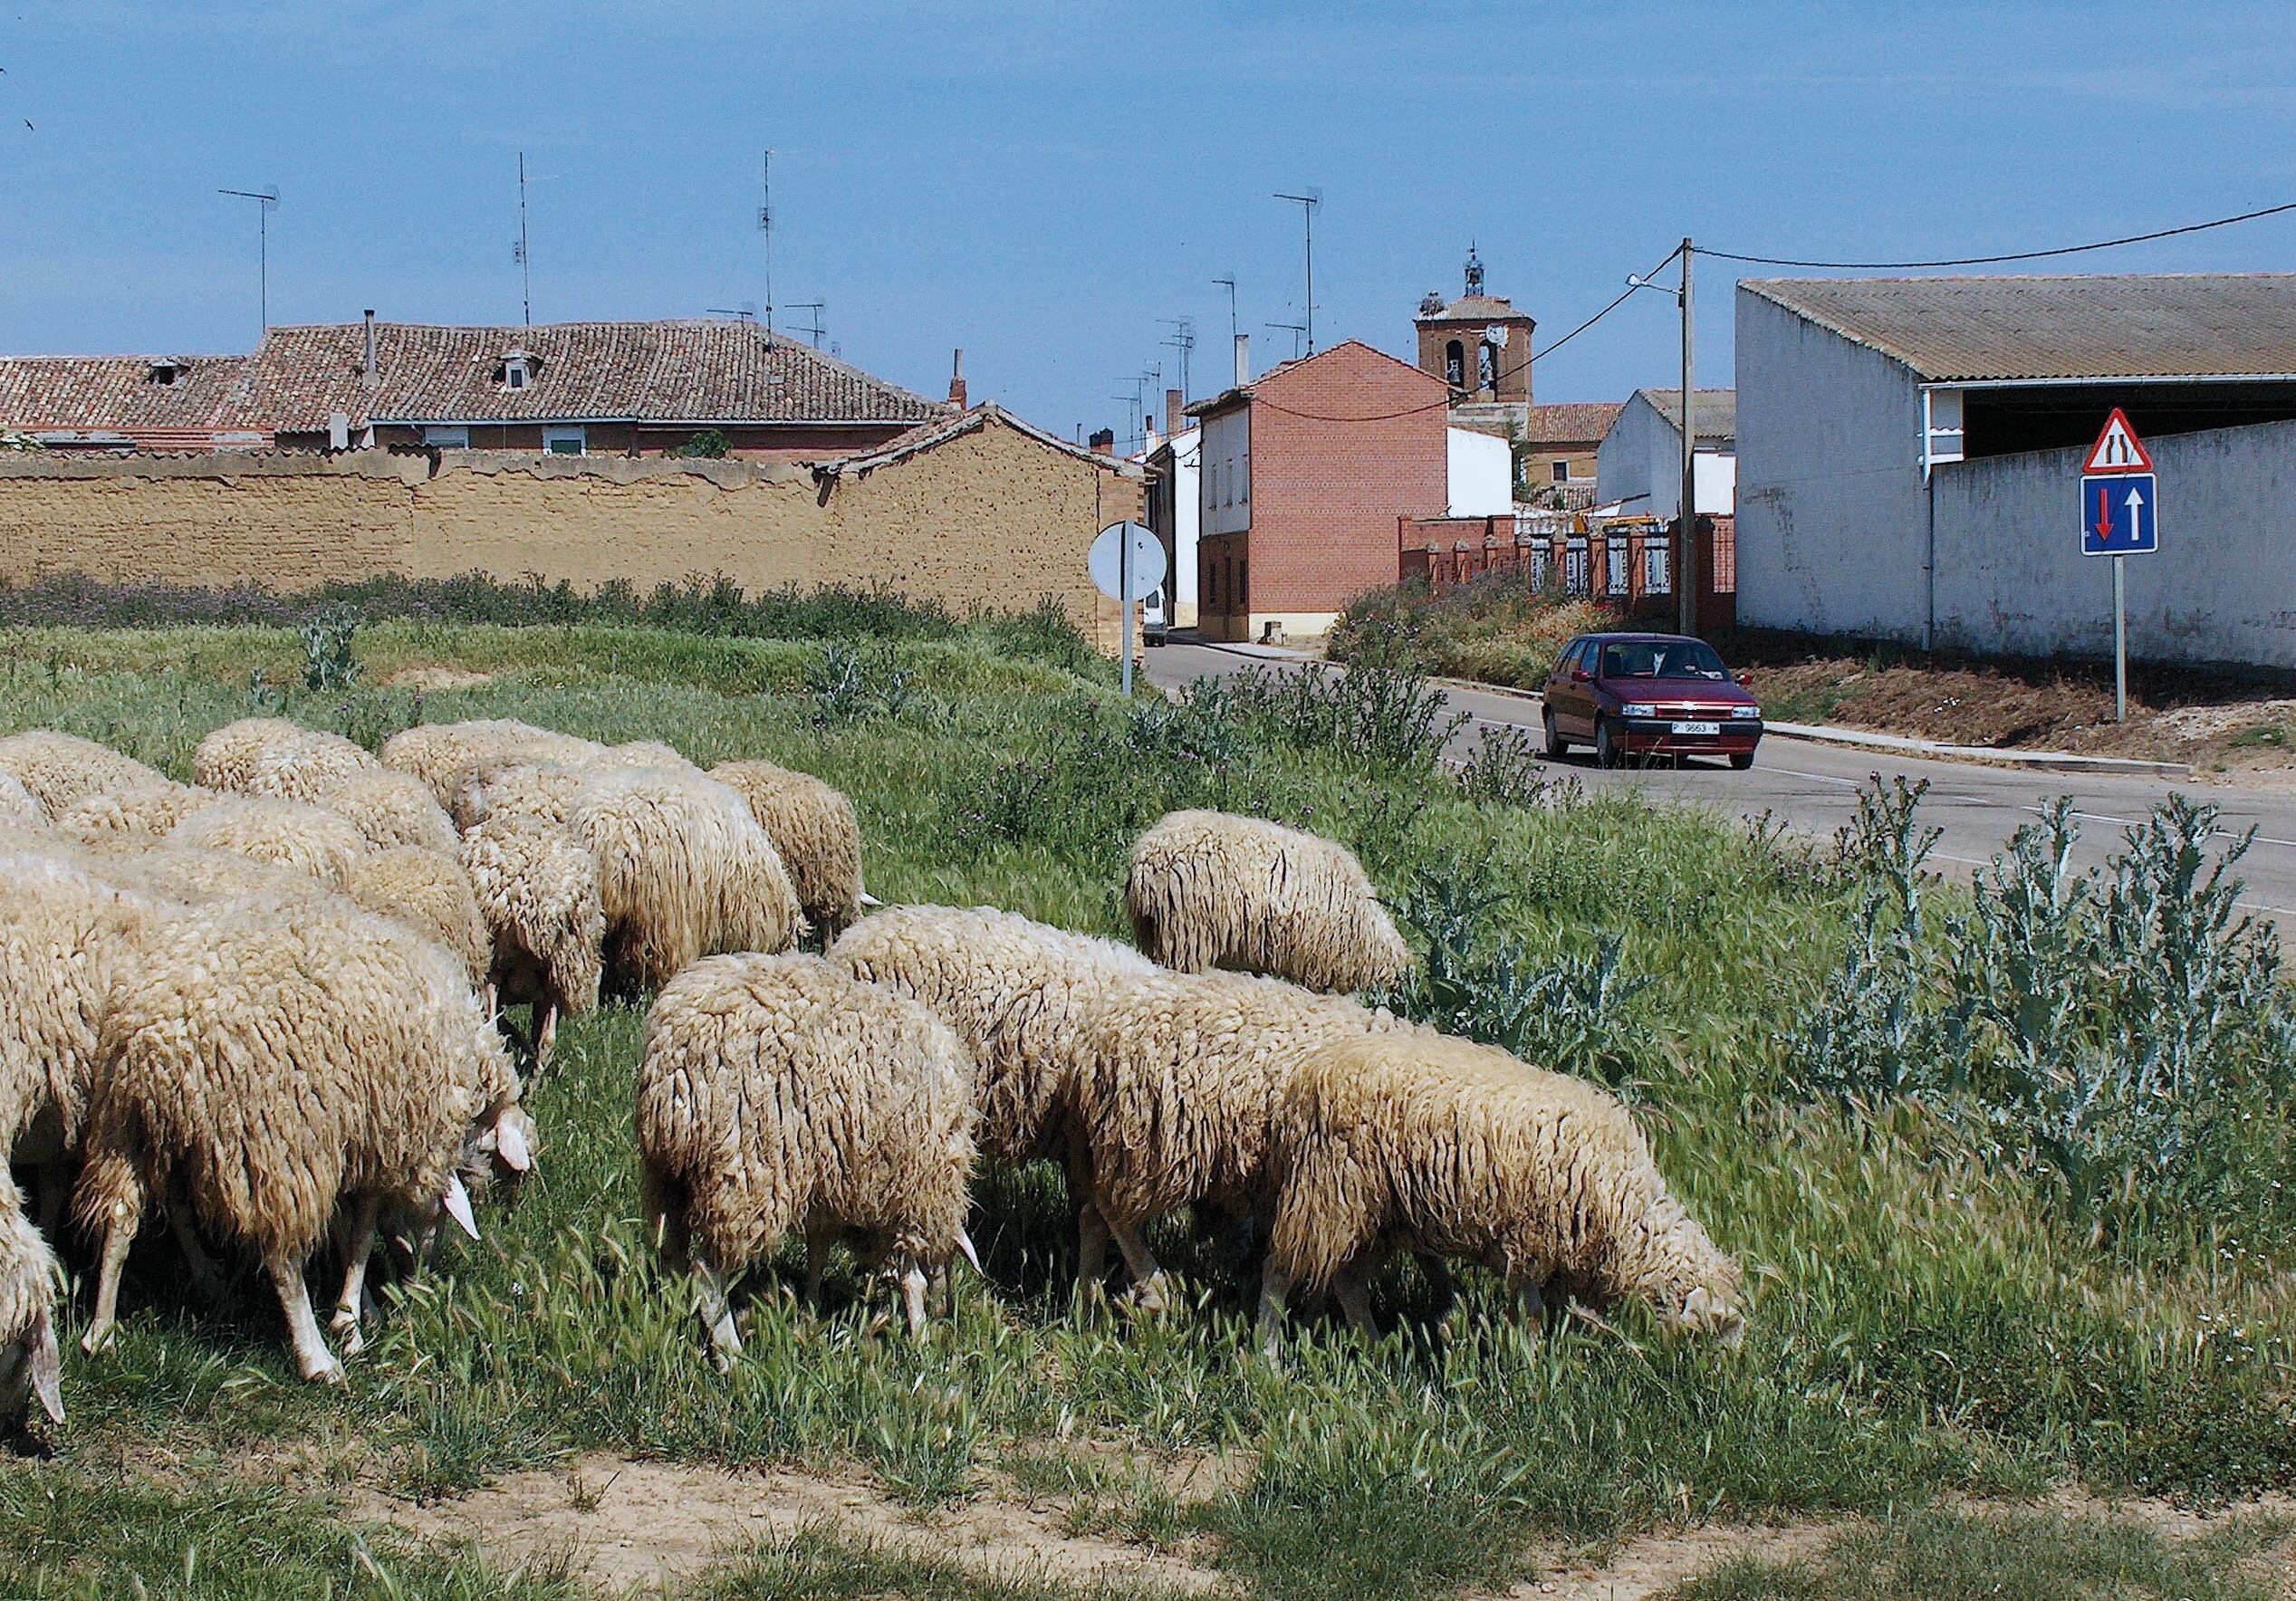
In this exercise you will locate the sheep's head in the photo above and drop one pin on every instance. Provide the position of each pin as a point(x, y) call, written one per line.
point(1387, 954)
point(500, 1149)
point(30, 1364)
point(1704, 1295)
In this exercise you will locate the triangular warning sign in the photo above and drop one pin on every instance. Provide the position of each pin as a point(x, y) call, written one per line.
point(2117, 449)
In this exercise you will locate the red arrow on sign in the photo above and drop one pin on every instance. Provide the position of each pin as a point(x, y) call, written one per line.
point(2117, 449)
point(2104, 515)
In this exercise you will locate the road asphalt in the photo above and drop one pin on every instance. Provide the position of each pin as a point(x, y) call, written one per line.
point(1812, 788)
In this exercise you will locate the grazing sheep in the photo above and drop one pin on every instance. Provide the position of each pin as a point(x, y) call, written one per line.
point(683, 871)
point(543, 790)
point(57, 769)
point(430, 892)
point(1210, 889)
point(286, 833)
point(779, 1092)
point(812, 825)
point(277, 1065)
point(148, 809)
point(18, 810)
point(447, 755)
point(190, 875)
point(1017, 992)
point(390, 809)
point(1448, 1148)
point(30, 1362)
point(537, 890)
point(272, 756)
point(1176, 1091)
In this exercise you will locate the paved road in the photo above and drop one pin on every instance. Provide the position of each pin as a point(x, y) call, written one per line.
point(1813, 787)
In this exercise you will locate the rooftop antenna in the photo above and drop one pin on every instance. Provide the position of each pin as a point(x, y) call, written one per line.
point(813, 329)
point(747, 313)
point(1309, 204)
point(766, 226)
point(1298, 331)
point(1228, 284)
point(1183, 340)
point(525, 272)
point(266, 201)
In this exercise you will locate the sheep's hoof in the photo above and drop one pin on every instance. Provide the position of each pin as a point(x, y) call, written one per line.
point(328, 1372)
point(1148, 1299)
point(345, 1327)
point(98, 1340)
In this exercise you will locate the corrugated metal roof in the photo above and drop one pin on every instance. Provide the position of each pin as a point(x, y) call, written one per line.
point(1973, 330)
point(1717, 413)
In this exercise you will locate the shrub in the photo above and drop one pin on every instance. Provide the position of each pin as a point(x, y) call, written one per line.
point(1381, 715)
point(328, 661)
point(1505, 771)
point(709, 444)
point(850, 682)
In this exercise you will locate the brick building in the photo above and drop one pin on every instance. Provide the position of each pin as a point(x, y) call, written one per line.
point(1305, 470)
point(1480, 345)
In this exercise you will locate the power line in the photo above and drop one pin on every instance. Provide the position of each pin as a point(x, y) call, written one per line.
point(2021, 255)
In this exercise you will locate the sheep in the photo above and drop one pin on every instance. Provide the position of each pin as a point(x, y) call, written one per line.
point(1453, 1149)
point(430, 892)
point(276, 1065)
point(447, 755)
point(272, 756)
point(1211, 889)
point(1017, 992)
point(18, 810)
point(544, 791)
point(683, 871)
point(30, 1362)
point(286, 833)
point(537, 890)
point(389, 809)
point(812, 825)
point(147, 809)
point(57, 769)
point(1177, 1087)
point(779, 1092)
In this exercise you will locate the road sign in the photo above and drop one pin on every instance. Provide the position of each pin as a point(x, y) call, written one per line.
point(2117, 515)
point(1125, 573)
point(2117, 449)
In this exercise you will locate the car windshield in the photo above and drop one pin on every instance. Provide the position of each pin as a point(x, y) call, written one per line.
point(1661, 658)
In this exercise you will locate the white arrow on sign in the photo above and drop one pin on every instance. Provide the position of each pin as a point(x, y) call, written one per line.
point(2135, 503)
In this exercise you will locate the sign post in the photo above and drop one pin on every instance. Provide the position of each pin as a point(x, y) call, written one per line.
point(1127, 563)
point(2119, 517)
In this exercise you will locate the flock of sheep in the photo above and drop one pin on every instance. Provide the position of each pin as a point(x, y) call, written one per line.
point(264, 1012)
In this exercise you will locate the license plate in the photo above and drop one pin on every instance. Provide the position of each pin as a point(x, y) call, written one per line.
point(1697, 728)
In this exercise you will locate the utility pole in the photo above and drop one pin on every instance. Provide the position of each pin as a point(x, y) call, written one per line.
point(266, 201)
point(1307, 203)
point(1687, 577)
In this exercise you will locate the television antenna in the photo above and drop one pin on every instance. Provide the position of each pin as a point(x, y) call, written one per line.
point(519, 251)
point(766, 226)
point(813, 329)
point(266, 201)
point(1309, 204)
point(747, 313)
point(1298, 331)
point(1183, 340)
point(1228, 284)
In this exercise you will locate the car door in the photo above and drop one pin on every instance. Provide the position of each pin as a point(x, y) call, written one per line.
point(1573, 707)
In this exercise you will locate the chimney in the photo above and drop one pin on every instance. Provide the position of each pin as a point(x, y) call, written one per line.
point(367, 378)
point(1242, 359)
point(1104, 441)
point(957, 382)
point(1175, 413)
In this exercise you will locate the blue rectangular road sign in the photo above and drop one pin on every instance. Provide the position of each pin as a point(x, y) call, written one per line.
point(2117, 515)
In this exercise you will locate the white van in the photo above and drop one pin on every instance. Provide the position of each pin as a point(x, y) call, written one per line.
point(1156, 618)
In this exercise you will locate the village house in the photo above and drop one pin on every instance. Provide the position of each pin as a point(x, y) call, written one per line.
point(1558, 450)
point(1639, 468)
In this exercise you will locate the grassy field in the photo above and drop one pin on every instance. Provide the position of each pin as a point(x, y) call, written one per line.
point(1939, 1319)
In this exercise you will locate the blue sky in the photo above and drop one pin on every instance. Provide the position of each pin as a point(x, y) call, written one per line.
point(1041, 183)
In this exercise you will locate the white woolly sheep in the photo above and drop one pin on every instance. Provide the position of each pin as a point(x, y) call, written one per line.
point(541, 790)
point(57, 769)
point(814, 828)
point(17, 808)
point(537, 889)
point(683, 871)
point(447, 755)
point(1177, 1093)
point(277, 1065)
point(148, 809)
point(286, 833)
point(780, 1092)
point(1211, 889)
point(293, 763)
point(1018, 993)
point(390, 809)
point(30, 1363)
point(1450, 1149)
point(430, 892)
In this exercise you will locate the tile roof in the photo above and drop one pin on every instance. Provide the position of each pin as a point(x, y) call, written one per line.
point(1717, 415)
point(1973, 328)
point(669, 371)
point(1570, 422)
point(1227, 399)
point(926, 435)
point(1474, 308)
point(117, 394)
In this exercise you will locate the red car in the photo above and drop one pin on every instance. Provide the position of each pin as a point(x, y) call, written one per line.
point(1638, 694)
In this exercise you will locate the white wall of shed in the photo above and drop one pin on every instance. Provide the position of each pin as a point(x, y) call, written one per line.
point(1482, 474)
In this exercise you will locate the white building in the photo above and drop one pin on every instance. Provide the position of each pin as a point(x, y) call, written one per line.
point(1175, 514)
point(1639, 462)
point(1481, 473)
point(1913, 451)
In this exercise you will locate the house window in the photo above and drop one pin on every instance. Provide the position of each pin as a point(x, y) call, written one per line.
point(1231, 478)
point(1243, 583)
point(517, 370)
point(448, 438)
point(1562, 472)
point(1455, 365)
point(566, 441)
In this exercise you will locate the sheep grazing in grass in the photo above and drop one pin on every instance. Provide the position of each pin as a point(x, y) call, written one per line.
point(1210, 889)
point(1017, 992)
point(285, 833)
point(57, 769)
point(813, 825)
point(1177, 1092)
point(683, 871)
point(272, 756)
point(31, 1366)
point(1450, 1149)
point(543, 790)
point(537, 890)
point(447, 755)
point(18, 810)
point(430, 892)
point(278, 1066)
point(390, 809)
point(780, 1092)
point(148, 809)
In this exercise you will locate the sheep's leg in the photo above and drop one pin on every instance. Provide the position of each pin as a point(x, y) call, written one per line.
point(116, 1241)
point(207, 1276)
point(1353, 1290)
point(545, 1031)
point(316, 1362)
point(820, 1236)
point(1147, 1278)
point(1530, 1301)
point(53, 1194)
point(1275, 1295)
point(913, 1299)
point(358, 1247)
point(1091, 1247)
point(944, 1299)
point(717, 1311)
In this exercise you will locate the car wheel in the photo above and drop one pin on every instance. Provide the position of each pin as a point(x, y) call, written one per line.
point(1605, 753)
point(1741, 760)
point(1557, 746)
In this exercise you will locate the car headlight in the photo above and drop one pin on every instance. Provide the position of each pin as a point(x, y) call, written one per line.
point(1745, 711)
point(1638, 709)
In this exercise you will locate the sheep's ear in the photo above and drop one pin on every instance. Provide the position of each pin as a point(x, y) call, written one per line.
point(457, 1201)
point(964, 1249)
point(1699, 1306)
point(47, 1367)
point(869, 901)
point(510, 1143)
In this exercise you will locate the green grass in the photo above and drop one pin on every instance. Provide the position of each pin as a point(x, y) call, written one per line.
point(1922, 1324)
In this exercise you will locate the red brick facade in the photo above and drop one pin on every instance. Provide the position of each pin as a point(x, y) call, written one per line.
point(1342, 443)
